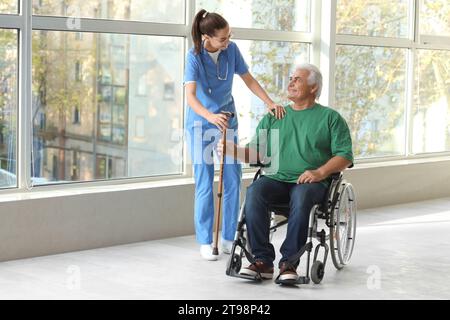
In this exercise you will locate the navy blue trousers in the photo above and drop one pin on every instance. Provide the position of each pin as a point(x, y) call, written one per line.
point(301, 198)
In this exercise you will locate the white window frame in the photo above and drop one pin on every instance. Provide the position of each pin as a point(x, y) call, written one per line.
point(322, 39)
point(25, 22)
point(18, 23)
point(412, 43)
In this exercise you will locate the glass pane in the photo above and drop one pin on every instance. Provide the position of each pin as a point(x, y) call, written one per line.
point(378, 18)
point(137, 10)
point(9, 6)
point(435, 17)
point(431, 122)
point(284, 15)
point(370, 95)
point(270, 62)
point(8, 108)
point(106, 105)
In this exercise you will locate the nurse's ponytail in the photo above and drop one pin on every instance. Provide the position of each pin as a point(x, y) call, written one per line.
point(206, 23)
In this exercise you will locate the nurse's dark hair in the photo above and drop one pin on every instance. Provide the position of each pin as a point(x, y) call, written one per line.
point(206, 23)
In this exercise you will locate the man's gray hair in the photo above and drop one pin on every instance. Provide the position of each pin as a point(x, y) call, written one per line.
point(315, 76)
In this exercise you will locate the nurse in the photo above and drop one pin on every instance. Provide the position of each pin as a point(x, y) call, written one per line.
point(210, 67)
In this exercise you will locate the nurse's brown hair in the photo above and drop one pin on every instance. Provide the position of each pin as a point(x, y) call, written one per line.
point(206, 23)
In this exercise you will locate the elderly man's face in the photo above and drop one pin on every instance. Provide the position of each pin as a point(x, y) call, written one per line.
point(298, 88)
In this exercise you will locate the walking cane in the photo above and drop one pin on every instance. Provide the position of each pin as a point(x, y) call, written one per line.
point(220, 189)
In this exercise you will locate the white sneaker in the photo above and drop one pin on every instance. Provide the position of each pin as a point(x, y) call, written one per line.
point(227, 245)
point(206, 252)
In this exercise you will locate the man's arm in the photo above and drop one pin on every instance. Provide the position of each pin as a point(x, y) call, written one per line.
point(335, 164)
point(243, 154)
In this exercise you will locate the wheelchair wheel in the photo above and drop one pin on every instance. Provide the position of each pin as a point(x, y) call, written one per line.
point(317, 271)
point(343, 226)
point(236, 262)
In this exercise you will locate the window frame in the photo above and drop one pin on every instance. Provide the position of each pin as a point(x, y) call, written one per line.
point(26, 26)
point(322, 39)
point(122, 27)
point(412, 43)
point(16, 23)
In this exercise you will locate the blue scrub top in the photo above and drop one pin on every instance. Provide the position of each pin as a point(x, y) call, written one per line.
point(214, 81)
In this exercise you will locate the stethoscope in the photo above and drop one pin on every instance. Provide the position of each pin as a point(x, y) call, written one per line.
point(217, 70)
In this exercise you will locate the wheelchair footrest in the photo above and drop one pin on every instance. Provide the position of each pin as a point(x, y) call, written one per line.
point(292, 282)
point(288, 282)
point(303, 280)
point(243, 276)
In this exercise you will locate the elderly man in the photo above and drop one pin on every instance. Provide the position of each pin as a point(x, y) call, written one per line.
point(313, 142)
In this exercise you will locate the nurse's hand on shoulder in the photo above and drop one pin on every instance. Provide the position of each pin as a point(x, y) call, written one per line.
point(276, 110)
point(218, 119)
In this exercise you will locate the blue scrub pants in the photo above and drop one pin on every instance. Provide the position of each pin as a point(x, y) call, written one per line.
point(201, 144)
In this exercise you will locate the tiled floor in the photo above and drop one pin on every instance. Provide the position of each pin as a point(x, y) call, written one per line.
point(401, 252)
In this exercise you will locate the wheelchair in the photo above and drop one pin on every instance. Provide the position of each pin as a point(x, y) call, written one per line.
point(338, 214)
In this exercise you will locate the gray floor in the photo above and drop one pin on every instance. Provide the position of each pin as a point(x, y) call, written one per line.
point(401, 252)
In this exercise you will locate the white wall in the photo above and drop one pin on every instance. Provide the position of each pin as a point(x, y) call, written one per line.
point(49, 222)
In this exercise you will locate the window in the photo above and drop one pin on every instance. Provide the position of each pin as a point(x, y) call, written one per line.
point(78, 71)
point(137, 10)
point(284, 15)
point(265, 58)
point(42, 121)
point(76, 116)
point(139, 127)
point(394, 94)
point(431, 113)
point(169, 91)
point(8, 107)
point(370, 95)
point(75, 165)
point(379, 18)
point(435, 17)
point(142, 86)
point(9, 6)
point(280, 80)
point(107, 98)
point(105, 91)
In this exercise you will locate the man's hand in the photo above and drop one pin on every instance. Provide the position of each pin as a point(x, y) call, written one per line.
point(311, 176)
point(276, 110)
point(229, 147)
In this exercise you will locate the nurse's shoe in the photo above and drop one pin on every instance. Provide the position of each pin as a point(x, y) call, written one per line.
point(227, 245)
point(206, 252)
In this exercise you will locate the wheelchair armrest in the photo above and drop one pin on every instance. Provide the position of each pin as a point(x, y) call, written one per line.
point(335, 176)
point(259, 165)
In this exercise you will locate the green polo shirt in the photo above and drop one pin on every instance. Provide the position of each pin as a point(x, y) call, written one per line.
point(307, 139)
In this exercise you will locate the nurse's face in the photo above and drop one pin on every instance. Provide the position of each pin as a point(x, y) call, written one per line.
point(221, 38)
